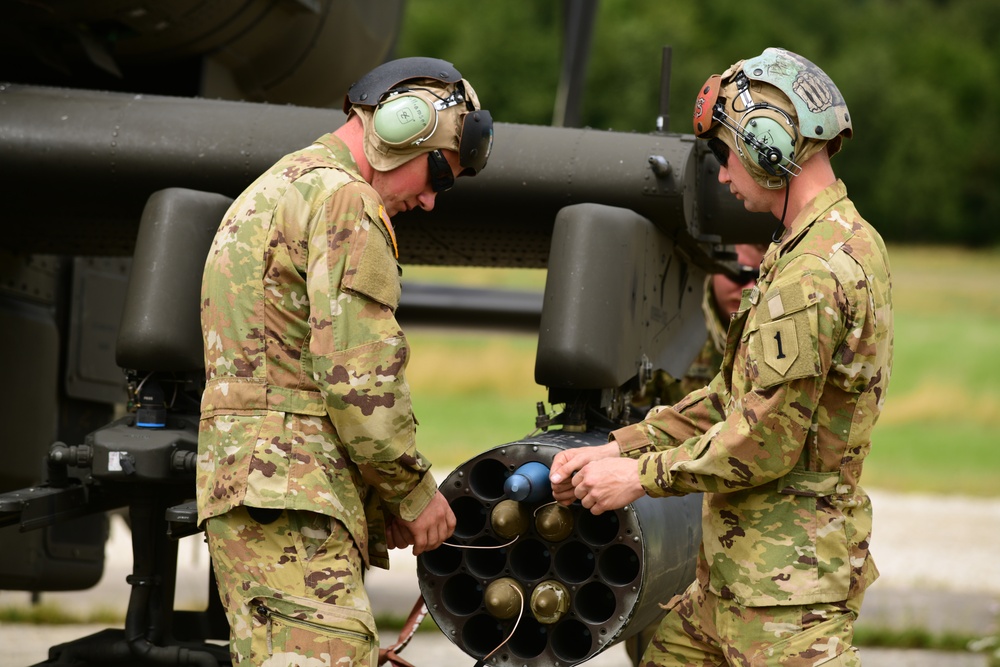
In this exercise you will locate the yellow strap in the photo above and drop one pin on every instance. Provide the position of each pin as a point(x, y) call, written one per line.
point(388, 226)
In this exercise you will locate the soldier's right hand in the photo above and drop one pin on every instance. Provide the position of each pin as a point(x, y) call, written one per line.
point(569, 461)
point(432, 526)
point(397, 535)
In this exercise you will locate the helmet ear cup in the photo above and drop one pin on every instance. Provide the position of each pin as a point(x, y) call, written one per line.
point(404, 120)
point(769, 159)
point(765, 142)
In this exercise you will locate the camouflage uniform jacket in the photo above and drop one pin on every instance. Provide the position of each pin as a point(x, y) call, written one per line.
point(306, 406)
point(778, 439)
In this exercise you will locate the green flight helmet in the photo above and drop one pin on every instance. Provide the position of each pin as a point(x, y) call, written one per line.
point(820, 108)
point(774, 111)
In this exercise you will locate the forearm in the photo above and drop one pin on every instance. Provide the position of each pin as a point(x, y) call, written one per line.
point(754, 445)
point(368, 401)
point(668, 427)
point(405, 490)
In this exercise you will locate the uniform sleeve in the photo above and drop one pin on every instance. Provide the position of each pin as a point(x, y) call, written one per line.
point(359, 351)
point(668, 426)
point(784, 356)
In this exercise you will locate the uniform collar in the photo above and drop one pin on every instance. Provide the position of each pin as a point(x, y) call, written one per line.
point(811, 212)
point(340, 152)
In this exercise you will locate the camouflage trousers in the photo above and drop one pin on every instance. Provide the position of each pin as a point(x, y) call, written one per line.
point(293, 590)
point(703, 630)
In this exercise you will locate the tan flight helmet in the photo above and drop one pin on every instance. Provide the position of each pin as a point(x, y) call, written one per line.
point(412, 106)
point(775, 111)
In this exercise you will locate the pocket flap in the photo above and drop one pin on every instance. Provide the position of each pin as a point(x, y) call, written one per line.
point(374, 271)
point(315, 612)
point(809, 483)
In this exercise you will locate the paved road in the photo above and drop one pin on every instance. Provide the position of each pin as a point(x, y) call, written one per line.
point(26, 645)
point(938, 557)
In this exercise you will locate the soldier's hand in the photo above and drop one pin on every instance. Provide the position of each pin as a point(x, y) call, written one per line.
point(608, 484)
point(432, 526)
point(569, 461)
point(397, 535)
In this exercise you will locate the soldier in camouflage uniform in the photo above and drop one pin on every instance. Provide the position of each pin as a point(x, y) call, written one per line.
point(308, 470)
point(777, 441)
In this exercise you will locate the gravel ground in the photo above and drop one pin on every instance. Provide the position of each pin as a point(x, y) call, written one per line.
point(938, 557)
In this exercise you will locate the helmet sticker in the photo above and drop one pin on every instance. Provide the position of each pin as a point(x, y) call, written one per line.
point(704, 105)
point(820, 107)
point(813, 91)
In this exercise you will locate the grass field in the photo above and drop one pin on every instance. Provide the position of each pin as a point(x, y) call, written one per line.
point(939, 432)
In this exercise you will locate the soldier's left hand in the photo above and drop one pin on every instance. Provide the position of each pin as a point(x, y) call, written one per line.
point(608, 484)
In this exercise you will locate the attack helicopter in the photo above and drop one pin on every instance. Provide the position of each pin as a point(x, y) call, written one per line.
point(127, 128)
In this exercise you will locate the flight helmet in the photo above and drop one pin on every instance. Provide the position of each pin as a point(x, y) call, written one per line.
point(419, 105)
point(775, 111)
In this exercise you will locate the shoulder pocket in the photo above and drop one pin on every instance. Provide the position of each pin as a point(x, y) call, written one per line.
point(373, 270)
point(786, 345)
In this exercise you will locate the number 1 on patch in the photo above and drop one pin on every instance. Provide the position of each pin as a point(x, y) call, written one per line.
point(781, 345)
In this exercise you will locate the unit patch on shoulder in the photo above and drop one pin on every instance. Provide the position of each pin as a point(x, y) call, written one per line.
point(780, 343)
point(786, 345)
point(372, 268)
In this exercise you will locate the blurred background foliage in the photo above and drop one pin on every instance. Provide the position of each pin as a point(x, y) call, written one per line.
point(920, 78)
point(922, 81)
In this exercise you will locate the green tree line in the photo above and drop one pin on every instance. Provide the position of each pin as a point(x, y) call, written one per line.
point(921, 79)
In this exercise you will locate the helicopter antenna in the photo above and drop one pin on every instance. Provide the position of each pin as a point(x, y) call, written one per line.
point(663, 120)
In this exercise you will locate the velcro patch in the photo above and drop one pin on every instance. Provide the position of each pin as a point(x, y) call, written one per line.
point(774, 305)
point(376, 271)
point(377, 275)
point(786, 340)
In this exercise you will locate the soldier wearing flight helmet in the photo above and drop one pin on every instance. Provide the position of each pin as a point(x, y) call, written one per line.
point(777, 441)
point(308, 469)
